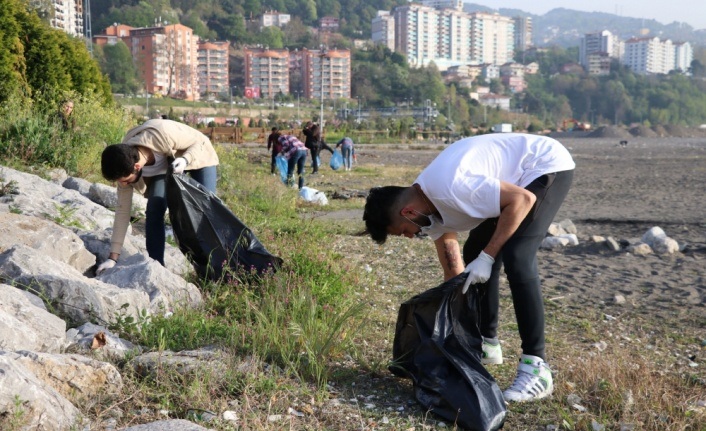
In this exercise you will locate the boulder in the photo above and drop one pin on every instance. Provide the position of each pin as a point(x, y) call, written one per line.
point(24, 326)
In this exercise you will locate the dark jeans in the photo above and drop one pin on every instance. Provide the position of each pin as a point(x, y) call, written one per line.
point(273, 162)
point(315, 151)
point(157, 207)
point(347, 153)
point(519, 256)
point(298, 159)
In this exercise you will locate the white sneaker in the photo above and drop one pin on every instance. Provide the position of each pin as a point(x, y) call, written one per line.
point(533, 381)
point(492, 354)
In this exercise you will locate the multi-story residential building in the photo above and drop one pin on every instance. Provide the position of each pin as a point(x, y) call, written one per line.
point(443, 4)
point(383, 29)
point(649, 55)
point(683, 56)
point(598, 63)
point(416, 33)
point(328, 23)
point(440, 31)
point(165, 56)
point(523, 32)
point(212, 68)
point(327, 73)
point(512, 76)
point(600, 42)
point(68, 16)
point(268, 70)
point(274, 19)
point(493, 38)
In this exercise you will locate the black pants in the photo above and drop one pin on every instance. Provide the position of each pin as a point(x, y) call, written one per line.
point(519, 256)
point(273, 162)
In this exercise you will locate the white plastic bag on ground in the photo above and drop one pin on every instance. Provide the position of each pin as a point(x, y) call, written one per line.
point(313, 195)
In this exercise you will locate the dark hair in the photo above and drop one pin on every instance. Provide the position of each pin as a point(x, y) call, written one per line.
point(379, 206)
point(274, 129)
point(118, 161)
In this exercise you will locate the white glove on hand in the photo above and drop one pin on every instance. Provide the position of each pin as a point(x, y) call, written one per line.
point(109, 263)
point(179, 165)
point(479, 270)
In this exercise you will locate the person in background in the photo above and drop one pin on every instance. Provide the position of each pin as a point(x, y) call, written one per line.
point(273, 143)
point(314, 143)
point(346, 145)
point(140, 164)
point(65, 115)
point(505, 189)
point(294, 151)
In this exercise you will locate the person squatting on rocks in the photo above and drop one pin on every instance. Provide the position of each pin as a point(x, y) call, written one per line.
point(273, 143)
point(314, 143)
point(505, 189)
point(346, 145)
point(140, 163)
point(294, 151)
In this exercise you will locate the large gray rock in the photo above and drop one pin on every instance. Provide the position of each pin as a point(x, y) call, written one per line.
point(24, 326)
point(107, 196)
point(47, 237)
point(165, 289)
point(186, 362)
point(79, 184)
point(43, 407)
point(81, 299)
point(44, 199)
point(71, 375)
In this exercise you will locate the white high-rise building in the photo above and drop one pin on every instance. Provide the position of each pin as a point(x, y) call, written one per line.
point(68, 16)
point(603, 42)
point(493, 38)
point(383, 29)
point(683, 56)
point(523, 32)
point(444, 4)
point(450, 37)
point(649, 55)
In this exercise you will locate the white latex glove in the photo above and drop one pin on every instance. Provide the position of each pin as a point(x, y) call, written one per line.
point(109, 263)
point(479, 270)
point(179, 165)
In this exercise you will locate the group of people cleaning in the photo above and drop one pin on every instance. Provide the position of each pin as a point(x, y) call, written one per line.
point(503, 189)
point(295, 151)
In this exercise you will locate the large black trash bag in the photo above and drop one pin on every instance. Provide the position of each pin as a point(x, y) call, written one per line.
point(210, 235)
point(438, 345)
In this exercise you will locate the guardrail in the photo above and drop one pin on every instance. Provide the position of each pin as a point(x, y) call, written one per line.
point(241, 135)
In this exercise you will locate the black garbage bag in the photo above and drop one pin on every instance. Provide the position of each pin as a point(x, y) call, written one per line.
point(438, 345)
point(210, 235)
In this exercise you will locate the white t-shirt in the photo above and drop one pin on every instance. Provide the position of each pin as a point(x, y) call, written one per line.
point(463, 182)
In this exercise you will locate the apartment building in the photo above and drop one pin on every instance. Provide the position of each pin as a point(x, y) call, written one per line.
point(450, 37)
point(274, 19)
point(596, 43)
point(493, 38)
point(212, 68)
point(267, 70)
point(649, 55)
point(523, 32)
point(416, 36)
point(327, 73)
point(68, 16)
point(683, 56)
point(165, 56)
point(383, 29)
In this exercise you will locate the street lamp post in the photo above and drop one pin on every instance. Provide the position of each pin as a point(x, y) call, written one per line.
point(322, 54)
point(298, 103)
point(231, 95)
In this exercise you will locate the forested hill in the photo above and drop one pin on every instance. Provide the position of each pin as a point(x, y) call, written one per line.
point(224, 19)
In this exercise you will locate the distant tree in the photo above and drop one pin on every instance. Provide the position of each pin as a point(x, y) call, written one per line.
point(12, 62)
point(120, 68)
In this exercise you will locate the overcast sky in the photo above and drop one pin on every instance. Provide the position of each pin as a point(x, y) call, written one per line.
point(692, 12)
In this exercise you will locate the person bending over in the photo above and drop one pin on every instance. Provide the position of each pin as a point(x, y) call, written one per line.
point(505, 190)
point(140, 164)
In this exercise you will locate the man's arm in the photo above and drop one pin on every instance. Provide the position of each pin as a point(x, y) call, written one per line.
point(515, 204)
point(449, 253)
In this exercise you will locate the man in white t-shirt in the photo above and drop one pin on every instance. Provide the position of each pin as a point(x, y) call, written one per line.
point(505, 189)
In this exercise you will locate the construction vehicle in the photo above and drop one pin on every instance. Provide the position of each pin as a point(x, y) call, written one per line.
point(576, 125)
